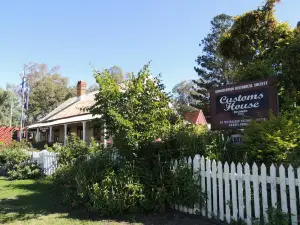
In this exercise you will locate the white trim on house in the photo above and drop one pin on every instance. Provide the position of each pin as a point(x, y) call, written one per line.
point(64, 121)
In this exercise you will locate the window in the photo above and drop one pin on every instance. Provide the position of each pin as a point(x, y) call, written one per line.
point(68, 131)
point(80, 132)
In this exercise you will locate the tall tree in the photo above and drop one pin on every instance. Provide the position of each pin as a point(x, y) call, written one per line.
point(137, 115)
point(10, 109)
point(254, 35)
point(261, 46)
point(92, 88)
point(47, 94)
point(117, 73)
point(213, 70)
point(182, 97)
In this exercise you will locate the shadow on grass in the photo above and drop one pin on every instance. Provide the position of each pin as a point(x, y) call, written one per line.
point(38, 199)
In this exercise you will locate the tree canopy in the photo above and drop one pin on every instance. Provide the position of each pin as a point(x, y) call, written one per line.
point(260, 47)
point(133, 114)
point(9, 99)
point(213, 69)
point(182, 95)
point(46, 94)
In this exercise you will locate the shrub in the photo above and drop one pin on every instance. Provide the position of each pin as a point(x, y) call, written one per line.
point(64, 182)
point(74, 151)
point(186, 186)
point(16, 161)
point(14, 153)
point(27, 170)
point(274, 140)
point(277, 217)
point(118, 192)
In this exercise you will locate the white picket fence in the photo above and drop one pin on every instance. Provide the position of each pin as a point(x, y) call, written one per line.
point(239, 192)
point(47, 160)
point(232, 191)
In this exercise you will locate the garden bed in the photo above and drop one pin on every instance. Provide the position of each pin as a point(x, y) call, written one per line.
point(33, 202)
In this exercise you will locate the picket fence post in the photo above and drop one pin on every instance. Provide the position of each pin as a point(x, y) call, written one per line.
point(264, 191)
point(196, 170)
point(248, 194)
point(202, 168)
point(293, 206)
point(283, 189)
point(256, 191)
point(221, 195)
point(227, 192)
point(214, 183)
point(208, 180)
point(233, 192)
point(240, 190)
point(273, 185)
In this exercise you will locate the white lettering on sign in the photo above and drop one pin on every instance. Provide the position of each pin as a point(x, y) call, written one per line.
point(236, 103)
point(242, 87)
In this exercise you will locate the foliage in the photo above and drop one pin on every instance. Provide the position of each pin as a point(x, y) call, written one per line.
point(135, 113)
point(186, 186)
point(188, 139)
point(119, 191)
point(275, 140)
point(92, 88)
point(254, 35)
point(116, 73)
point(213, 69)
point(182, 95)
point(277, 217)
point(287, 64)
point(14, 154)
point(26, 170)
point(65, 183)
point(47, 93)
point(260, 47)
point(74, 151)
point(16, 161)
point(9, 99)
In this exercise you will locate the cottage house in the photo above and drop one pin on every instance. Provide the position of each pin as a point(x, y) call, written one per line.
point(67, 118)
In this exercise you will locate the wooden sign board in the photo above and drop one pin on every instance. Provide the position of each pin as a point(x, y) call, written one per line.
point(234, 106)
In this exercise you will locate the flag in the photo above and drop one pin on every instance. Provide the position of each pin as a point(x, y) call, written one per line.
point(26, 98)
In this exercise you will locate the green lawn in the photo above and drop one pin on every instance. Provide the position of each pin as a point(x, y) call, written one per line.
point(33, 202)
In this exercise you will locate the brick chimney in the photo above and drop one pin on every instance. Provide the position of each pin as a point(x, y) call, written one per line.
point(81, 88)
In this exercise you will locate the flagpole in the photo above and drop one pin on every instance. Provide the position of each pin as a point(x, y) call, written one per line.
point(22, 104)
point(11, 111)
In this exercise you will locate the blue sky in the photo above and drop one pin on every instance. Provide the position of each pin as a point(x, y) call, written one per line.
point(73, 33)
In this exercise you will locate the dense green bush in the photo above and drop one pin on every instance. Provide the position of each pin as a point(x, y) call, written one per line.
point(16, 161)
point(14, 154)
point(26, 170)
point(64, 182)
point(75, 150)
point(119, 191)
point(110, 187)
point(275, 140)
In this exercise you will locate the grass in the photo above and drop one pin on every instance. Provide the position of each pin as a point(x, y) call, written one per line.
point(34, 202)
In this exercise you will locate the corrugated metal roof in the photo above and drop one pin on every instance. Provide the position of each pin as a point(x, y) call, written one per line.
point(72, 110)
point(72, 107)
